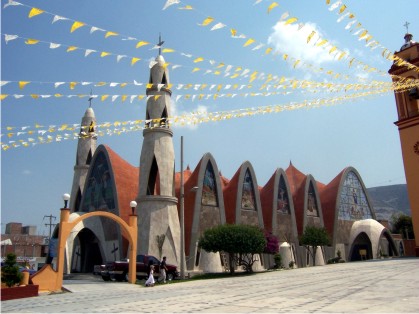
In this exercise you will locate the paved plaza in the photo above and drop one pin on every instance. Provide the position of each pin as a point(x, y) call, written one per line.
point(389, 285)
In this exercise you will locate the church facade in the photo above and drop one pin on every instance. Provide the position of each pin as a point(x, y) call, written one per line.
point(284, 206)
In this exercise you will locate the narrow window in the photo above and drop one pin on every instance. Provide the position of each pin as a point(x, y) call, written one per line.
point(209, 189)
point(248, 196)
point(152, 179)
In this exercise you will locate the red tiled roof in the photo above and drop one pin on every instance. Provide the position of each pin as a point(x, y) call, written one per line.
point(297, 180)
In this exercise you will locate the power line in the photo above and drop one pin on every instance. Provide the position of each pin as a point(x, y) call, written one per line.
point(50, 224)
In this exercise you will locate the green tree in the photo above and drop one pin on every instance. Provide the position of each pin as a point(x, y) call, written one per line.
point(10, 273)
point(403, 224)
point(314, 237)
point(241, 242)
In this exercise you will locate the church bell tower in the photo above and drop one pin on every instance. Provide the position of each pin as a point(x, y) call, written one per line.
point(86, 147)
point(407, 101)
point(158, 220)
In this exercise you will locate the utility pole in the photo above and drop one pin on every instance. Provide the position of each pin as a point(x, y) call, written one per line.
point(50, 224)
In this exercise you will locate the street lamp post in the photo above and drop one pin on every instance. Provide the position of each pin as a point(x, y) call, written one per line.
point(182, 215)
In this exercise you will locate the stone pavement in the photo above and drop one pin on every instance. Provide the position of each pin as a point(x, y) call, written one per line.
point(389, 285)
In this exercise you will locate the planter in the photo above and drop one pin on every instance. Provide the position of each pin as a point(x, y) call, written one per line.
point(19, 292)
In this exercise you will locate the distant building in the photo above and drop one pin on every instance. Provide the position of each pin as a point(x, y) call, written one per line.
point(22, 240)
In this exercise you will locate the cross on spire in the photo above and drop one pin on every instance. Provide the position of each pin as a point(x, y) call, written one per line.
point(90, 99)
point(160, 44)
point(407, 26)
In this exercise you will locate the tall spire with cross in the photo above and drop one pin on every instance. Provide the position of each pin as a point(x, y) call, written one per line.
point(90, 99)
point(407, 27)
point(160, 44)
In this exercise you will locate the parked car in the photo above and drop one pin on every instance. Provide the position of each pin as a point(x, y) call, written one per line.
point(118, 270)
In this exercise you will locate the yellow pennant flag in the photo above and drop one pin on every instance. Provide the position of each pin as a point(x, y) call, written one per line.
point(101, 84)
point(34, 96)
point(58, 95)
point(103, 98)
point(195, 70)
point(310, 36)
point(186, 7)
point(22, 84)
point(234, 75)
point(123, 98)
point(134, 60)
point(285, 56)
point(268, 50)
point(35, 11)
point(198, 60)
point(327, 2)
point(271, 6)
point(71, 48)
point(342, 8)
point(233, 32)
point(207, 21)
point(322, 42)
point(111, 34)
point(30, 41)
point(341, 55)
point(166, 50)
point(296, 63)
point(220, 65)
point(123, 84)
point(332, 49)
point(141, 43)
point(76, 25)
point(149, 85)
point(249, 42)
point(72, 85)
point(3, 96)
point(104, 54)
point(291, 20)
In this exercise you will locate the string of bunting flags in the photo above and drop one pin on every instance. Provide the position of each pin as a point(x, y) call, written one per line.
point(192, 118)
point(359, 30)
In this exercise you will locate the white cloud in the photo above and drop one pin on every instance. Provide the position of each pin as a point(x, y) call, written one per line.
point(199, 111)
point(288, 39)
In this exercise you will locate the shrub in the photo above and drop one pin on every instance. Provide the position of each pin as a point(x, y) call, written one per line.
point(10, 273)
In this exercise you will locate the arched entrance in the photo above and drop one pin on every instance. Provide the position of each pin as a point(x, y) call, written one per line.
point(392, 249)
point(86, 252)
point(361, 248)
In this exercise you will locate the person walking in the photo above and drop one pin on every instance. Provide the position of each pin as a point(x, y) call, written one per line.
point(150, 280)
point(163, 269)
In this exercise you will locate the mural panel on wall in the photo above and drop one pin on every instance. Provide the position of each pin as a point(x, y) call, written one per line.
point(353, 201)
point(283, 200)
point(209, 190)
point(248, 196)
point(312, 209)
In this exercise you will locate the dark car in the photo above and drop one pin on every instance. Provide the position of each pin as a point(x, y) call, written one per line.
point(118, 270)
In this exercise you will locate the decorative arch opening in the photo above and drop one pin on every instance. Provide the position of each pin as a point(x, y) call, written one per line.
point(78, 200)
point(361, 248)
point(89, 157)
point(248, 200)
point(209, 188)
point(163, 120)
point(153, 178)
point(164, 79)
point(86, 252)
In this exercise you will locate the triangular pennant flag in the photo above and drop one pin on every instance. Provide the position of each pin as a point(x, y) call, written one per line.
point(54, 46)
point(141, 43)
point(88, 52)
point(7, 38)
point(30, 41)
point(94, 29)
point(218, 26)
point(119, 57)
point(207, 21)
point(34, 12)
point(271, 6)
point(200, 59)
point(71, 48)
point(22, 84)
point(291, 20)
point(58, 18)
point(72, 85)
point(134, 60)
point(169, 3)
point(249, 42)
point(104, 54)
point(110, 34)
point(76, 25)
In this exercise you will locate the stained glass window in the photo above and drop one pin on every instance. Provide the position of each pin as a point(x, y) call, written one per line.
point(248, 196)
point(209, 190)
point(353, 201)
point(312, 209)
point(283, 200)
point(99, 190)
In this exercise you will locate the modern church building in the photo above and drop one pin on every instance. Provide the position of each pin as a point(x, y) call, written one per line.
point(284, 206)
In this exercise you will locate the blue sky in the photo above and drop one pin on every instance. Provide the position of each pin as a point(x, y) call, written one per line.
point(321, 141)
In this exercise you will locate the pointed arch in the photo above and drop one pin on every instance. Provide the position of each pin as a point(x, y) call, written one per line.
point(248, 198)
point(164, 79)
point(153, 178)
point(312, 205)
point(89, 157)
point(78, 200)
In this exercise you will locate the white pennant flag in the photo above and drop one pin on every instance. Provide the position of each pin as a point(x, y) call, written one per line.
point(58, 18)
point(217, 26)
point(179, 86)
point(45, 96)
point(137, 84)
point(349, 25)
point(119, 57)
point(258, 47)
point(193, 97)
point(132, 98)
point(335, 5)
point(7, 38)
point(342, 17)
point(94, 29)
point(2, 83)
point(18, 96)
point(207, 72)
point(175, 66)
point(114, 97)
point(228, 68)
point(56, 84)
point(11, 2)
point(284, 16)
point(113, 84)
point(178, 97)
point(88, 52)
point(186, 55)
point(159, 86)
point(53, 45)
point(86, 83)
point(212, 86)
point(212, 62)
point(169, 3)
